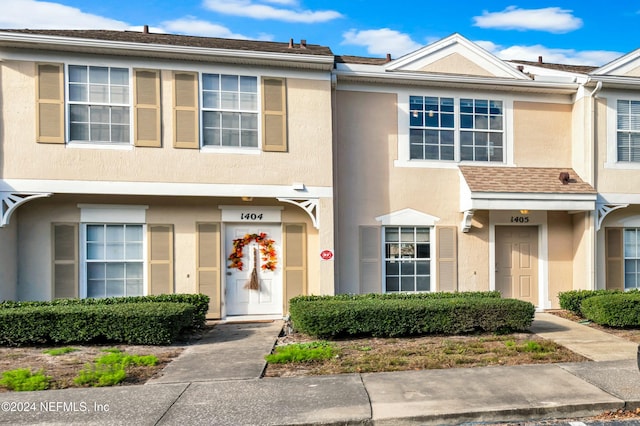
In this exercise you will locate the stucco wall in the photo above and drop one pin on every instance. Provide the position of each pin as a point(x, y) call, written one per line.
point(561, 254)
point(542, 134)
point(34, 247)
point(308, 159)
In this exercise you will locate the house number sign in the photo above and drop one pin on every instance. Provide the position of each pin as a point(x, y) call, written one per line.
point(519, 219)
point(251, 214)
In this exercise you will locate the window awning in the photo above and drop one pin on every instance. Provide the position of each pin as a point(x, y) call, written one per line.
point(519, 188)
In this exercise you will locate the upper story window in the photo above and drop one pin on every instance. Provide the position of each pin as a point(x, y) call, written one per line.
point(450, 129)
point(99, 104)
point(229, 111)
point(628, 131)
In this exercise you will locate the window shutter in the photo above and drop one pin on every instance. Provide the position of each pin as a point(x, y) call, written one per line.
point(185, 110)
point(370, 252)
point(274, 114)
point(160, 259)
point(614, 258)
point(147, 108)
point(446, 258)
point(49, 103)
point(294, 249)
point(208, 266)
point(65, 260)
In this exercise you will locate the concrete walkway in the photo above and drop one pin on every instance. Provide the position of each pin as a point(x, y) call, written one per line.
point(216, 383)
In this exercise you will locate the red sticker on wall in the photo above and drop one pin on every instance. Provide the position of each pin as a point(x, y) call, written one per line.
point(326, 254)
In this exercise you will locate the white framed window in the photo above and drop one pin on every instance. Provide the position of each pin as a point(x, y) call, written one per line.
point(628, 131)
point(113, 260)
point(99, 104)
point(407, 259)
point(631, 258)
point(456, 129)
point(230, 109)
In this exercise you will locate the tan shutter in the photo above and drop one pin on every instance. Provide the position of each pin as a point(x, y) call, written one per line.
point(274, 114)
point(294, 253)
point(614, 258)
point(446, 258)
point(208, 266)
point(65, 260)
point(185, 110)
point(49, 103)
point(146, 86)
point(160, 259)
point(370, 239)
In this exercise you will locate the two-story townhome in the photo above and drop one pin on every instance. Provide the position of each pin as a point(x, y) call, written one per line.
point(134, 163)
point(459, 171)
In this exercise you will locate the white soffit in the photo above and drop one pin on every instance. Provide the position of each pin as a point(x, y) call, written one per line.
point(409, 217)
point(455, 44)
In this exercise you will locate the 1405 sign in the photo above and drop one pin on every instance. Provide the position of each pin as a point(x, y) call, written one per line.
point(519, 219)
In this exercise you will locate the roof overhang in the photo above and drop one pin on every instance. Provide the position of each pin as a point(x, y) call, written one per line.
point(163, 51)
point(455, 81)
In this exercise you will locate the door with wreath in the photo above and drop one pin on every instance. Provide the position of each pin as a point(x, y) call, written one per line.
point(253, 284)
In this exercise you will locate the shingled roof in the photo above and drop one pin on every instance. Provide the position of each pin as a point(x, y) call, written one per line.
point(184, 40)
point(524, 180)
point(580, 69)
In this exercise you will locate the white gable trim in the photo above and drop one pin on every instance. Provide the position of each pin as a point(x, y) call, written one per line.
point(409, 217)
point(454, 44)
point(622, 65)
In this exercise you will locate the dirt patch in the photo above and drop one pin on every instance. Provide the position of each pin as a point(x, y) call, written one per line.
point(368, 355)
point(63, 368)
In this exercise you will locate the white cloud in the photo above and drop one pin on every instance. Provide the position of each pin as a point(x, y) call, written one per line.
point(34, 14)
point(551, 19)
point(550, 55)
point(254, 9)
point(192, 26)
point(381, 41)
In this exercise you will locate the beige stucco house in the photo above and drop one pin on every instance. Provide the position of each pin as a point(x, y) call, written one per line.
point(138, 163)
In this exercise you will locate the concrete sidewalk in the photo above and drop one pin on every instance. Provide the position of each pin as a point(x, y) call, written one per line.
point(215, 383)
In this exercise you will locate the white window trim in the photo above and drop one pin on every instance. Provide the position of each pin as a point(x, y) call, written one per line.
point(432, 263)
point(110, 213)
point(67, 117)
point(611, 160)
point(404, 158)
point(83, 258)
point(227, 149)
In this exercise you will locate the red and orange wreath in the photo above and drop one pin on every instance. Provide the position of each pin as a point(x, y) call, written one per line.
point(267, 250)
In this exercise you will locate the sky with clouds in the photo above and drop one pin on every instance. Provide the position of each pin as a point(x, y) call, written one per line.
point(569, 32)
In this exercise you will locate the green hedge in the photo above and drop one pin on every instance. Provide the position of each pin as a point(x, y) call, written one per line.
point(145, 323)
point(394, 296)
point(200, 303)
point(614, 309)
point(382, 317)
point(572, 300)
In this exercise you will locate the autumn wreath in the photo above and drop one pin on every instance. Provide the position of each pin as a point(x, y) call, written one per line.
point(267, 250)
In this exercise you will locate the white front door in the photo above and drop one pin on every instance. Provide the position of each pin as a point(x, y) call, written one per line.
point(266, 299)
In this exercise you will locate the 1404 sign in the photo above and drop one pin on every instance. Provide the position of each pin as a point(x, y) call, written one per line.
point(251, 216)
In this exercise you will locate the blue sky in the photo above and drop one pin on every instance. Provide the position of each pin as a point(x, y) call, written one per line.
point(570, 32)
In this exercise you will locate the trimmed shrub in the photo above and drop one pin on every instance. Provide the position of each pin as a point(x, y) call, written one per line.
point(200, 303)
point(335, 317)
point(571, 300)
point(149, 323)
point(394, 296)
point(614, 310)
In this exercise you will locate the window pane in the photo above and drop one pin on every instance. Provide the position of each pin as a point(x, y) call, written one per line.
point(133, 251)
point(133, 233)
point(407, 234)
point(230, 138)
point(134, 288)
point(407, 268)
point(249, 121)
point(229, 83)
point(79, 113)
point(407, 284)
point(229, 100)
point(211, 119)
point(98, 94)
point(248, 84)
point(211, 100)
point(391, 234)
point(248, 101)
point(120, 95)
point(95, 271)
point(630, 243)
point(77, 74)
point(447, 120)
point(99, 75)
point(78, 92)
point(95, 233)
point(466, 106)
point(120, 76)
point(99, 133)
point(393, 284)
point(120, 115)
point(393, 268)
point(423, 251)
point(96, 288)
point(416, 118)
point(210, 82)
point(422, 284)
point(115, 270)
point(422, 268)
point(211, 137)
point(115, 288)
point(249, 138)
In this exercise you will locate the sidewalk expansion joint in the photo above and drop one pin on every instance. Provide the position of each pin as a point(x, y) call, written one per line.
point(172, 404)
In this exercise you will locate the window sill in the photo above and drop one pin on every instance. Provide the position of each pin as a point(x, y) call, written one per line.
point(89, 145)
point(622, 166)
point(230, 150)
